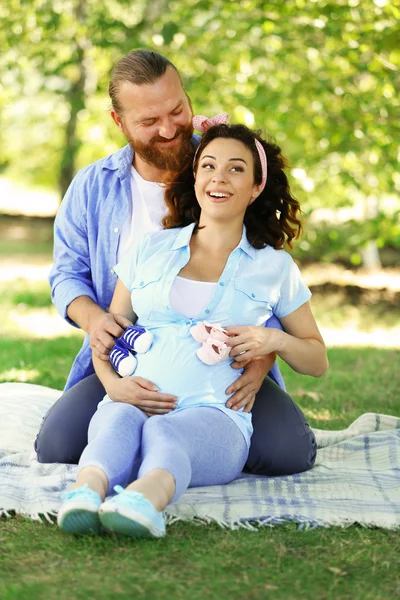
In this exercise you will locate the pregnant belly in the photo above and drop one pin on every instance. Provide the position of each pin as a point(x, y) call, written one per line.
point(172, 365)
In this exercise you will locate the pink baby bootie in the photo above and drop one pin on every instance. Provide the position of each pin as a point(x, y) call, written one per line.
point(202, 331)
point(213, 351)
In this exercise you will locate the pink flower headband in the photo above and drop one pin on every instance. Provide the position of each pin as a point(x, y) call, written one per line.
point(201, 123)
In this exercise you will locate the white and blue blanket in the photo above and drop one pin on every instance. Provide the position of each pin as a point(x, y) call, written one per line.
point(356, 478)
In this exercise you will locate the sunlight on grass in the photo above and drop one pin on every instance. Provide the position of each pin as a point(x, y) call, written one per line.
point(11, 272)
point(363, 317)
point(19, 375)
point(23, 320)
point(323, 414)
point(352, 336)
point(317, 274)
point(44, 323)
point(21, 199)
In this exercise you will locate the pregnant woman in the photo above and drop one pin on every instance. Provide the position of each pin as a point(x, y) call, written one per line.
point(219, 260)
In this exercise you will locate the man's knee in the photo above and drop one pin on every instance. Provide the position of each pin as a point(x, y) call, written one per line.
point(282, 442)
point(282, 456)
point(53, 447)
point(63, 434)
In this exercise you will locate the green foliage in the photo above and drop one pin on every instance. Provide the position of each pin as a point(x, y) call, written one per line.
point(342, 242)
point(320, 77)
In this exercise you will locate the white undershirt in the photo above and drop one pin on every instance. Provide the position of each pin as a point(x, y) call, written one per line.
point(190, 298)
point(146, 212)
point(148, 208)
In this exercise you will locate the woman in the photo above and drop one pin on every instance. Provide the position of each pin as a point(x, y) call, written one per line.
point(220, 259)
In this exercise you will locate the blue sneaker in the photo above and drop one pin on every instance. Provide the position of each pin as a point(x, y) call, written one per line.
point(137, 339)
point(122, 360)
point(130, 513)
point(79, 512)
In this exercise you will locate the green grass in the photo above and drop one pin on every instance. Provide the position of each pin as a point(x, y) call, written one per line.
point(37, 561)
point(26, 293)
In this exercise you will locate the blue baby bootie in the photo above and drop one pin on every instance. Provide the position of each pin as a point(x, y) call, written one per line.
point(135, 339)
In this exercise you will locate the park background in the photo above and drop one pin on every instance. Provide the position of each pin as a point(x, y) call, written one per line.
point(323, 79)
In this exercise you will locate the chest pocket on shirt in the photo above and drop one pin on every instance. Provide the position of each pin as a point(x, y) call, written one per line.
point(251, 297)
point(145, 290)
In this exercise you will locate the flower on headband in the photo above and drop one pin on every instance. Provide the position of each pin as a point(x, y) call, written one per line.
point(203, 124)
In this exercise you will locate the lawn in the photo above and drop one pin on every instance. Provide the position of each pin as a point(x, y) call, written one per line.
point(37, 561)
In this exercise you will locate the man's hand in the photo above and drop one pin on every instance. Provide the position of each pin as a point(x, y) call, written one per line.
point(103, 330)
point(143, 394)
point(248, 384)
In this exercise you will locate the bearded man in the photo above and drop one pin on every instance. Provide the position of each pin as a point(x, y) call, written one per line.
point(108, 205)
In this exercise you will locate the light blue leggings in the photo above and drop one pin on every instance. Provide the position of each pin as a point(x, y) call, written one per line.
point(198, 446)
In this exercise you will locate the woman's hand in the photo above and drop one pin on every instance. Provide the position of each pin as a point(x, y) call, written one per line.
point(249, 342)
point(141, 393)
point(248, 384)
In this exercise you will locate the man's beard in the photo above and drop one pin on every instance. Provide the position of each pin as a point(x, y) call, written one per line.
point(173, 159)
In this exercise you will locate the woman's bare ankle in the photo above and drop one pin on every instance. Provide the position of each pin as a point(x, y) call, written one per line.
point(158, 486)
point(95, 478)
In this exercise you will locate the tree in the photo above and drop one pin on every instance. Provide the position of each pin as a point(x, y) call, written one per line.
point(321, 77)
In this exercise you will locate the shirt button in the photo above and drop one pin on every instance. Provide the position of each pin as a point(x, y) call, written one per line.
point(141, 283)
point(112, 271)
point(188, 322)
point(253, 296)
point(206, 311)
point(116, 229)
point(221, 283)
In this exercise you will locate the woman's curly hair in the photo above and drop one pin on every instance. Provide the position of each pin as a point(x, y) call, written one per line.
point(272, 219)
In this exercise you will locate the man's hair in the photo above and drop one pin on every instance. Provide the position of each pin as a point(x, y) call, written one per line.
point(272, 219)
point(138, 67)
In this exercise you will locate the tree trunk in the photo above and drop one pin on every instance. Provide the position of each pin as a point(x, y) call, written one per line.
point(370, 253)
point(76, 100)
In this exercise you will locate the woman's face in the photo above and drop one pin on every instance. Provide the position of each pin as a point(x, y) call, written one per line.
point(224, 182)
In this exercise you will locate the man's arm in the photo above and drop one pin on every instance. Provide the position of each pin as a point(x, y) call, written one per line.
point(71, 276)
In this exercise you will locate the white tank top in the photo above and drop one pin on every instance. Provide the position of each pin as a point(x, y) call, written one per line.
point(189, 297)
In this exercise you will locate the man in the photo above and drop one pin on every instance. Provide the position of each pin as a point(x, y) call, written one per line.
point(108, 205)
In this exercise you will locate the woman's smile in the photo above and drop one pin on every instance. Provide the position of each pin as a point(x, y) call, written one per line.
point(218, 197)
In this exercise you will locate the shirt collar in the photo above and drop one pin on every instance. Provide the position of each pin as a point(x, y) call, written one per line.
point(122, 160)
point(183, 239)
point(245, 245)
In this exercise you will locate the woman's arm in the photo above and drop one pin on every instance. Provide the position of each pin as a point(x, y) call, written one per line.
point(121, 305)
point(300, 345)
point(132, 390)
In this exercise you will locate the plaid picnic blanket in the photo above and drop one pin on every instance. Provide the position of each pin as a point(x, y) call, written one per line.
point(356, 478)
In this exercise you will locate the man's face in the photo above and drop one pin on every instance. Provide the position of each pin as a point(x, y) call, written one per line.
point(156, 119)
